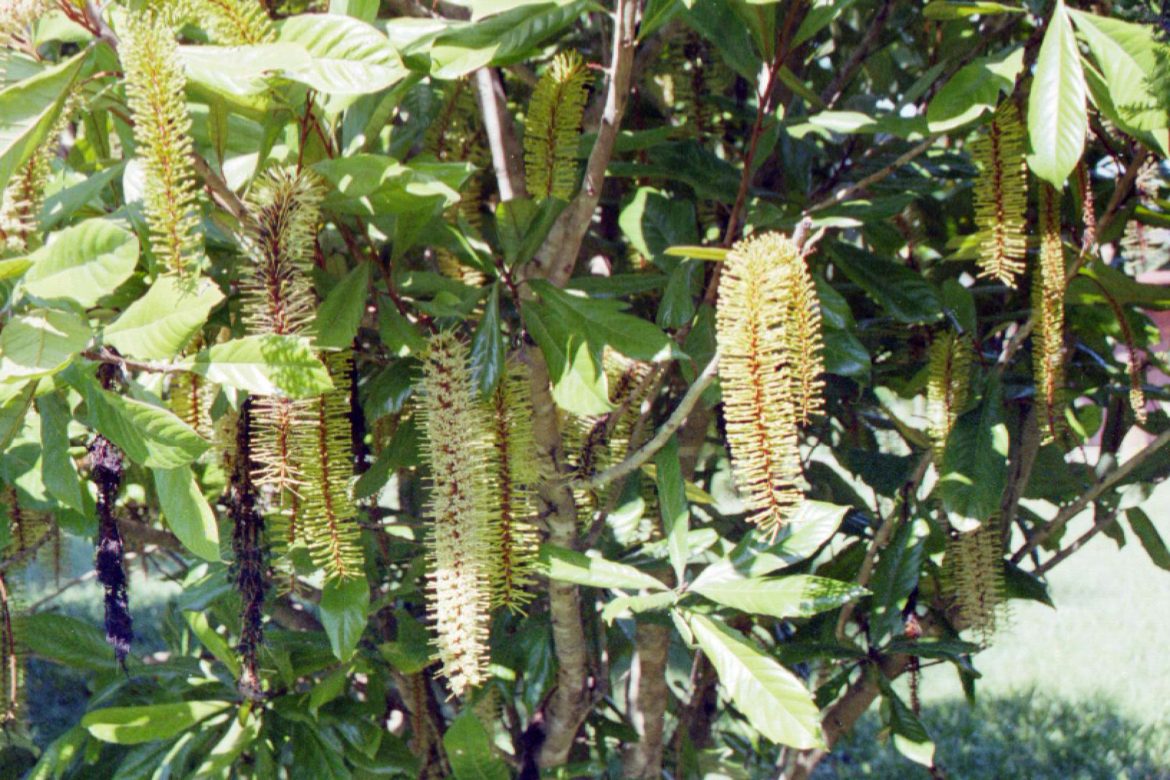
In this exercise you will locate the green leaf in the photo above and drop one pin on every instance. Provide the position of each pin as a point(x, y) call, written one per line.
point(487, 346)
point(793, 596)
point(28, 110)
point(14, 267)
point(242, 732)
point(39, 343)
point(502, 39)
point(327, 689)
point(82, 263)
point(1128, 55)
point(1120, 286)
point(373, 185)
point(1057, 118)
point(266, 365)
point(469, 749)
point(593, 570)
point(813, 526)
point(134, 725)
point(845, 355)
point(410, 652)
point(341, 312)
point(910, 737)
point(58, 471)
point(187, 512)
point(673, 506)
point(348, 56)
point(654, 222)
point(974, 90)
point(714, 254)
point(74, 643)
point(149, 435)
point(775, 702)
point(574, 365)
point(650, 602)
point(13, 411)
point(677, 307)
point(946, 9)
point(161, 323)
point(974, 471)
point(215, 643)
point(343, 613)
point(896, 576)
point(1144, 527)
point(604, 323)
point(902, 292)
point(1021, 584)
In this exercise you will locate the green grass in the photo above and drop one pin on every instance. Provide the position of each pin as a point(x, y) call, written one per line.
point(1079, 692)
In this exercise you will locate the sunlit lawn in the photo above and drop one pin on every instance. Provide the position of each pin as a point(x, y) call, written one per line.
point(1077, 693)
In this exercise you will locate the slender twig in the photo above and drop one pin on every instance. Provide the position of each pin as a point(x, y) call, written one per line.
point(878, 175)
point(1107, 519)
point(861, 52)
point(126, 364)
point(221, 193)
point(1105, 483)
point(660, 438)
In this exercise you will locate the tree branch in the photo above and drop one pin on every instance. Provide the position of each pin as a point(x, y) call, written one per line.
point(1105, 483)
point(847, 192)
point(507, 152)
point(558, 256)
point(569, 702)
point(659, 440)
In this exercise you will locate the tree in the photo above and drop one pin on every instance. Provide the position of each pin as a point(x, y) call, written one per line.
point(551, 385)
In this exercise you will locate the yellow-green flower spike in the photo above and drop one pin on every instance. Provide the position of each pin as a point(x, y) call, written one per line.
point(768, 331)
point(973, 576)
point(515, 473)
point(1001, 194)
point(553, 126)
point(155, 91)
point(461, 540)
point(1048, 286)
point(327, 515)
point(948, 386)
point(236, 22)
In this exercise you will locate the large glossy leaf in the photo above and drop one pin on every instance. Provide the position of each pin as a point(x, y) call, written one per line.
point(574, 365)
point(1128, 55)
point(974, 470)
point(83, 263)
point(58, 471)
point(341, 312)
point(910, 736)
point(187, 512)
point(133, 725)
point(376, 185)
point(241, 733)
point(487, 346)
point(66, 640)
point(974, 90)
point(28, 109)
point(1057, 119)
point(775, 702)
point(603, 322)
point(593, 570)
point(13, 410)
point(896, 576)
point(794, 596)
point(347, 56)
point(501, 39)
point(39, 343)
point(1151, 540)
point(470, 750)
point(672, 505)
point(343, 613)
point(267, 365)
point(806, 533)
point(159, 325)
point(845, 355)
point(149, 435)
point(902, 292)
point(653, 222)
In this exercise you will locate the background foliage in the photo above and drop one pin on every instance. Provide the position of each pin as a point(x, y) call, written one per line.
point(269, 268)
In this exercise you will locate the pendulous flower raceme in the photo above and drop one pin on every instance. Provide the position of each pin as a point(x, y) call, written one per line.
point(1001, 194)
point(553, 127)
point(462, 542)
point(155, 92)
point(768, 328)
